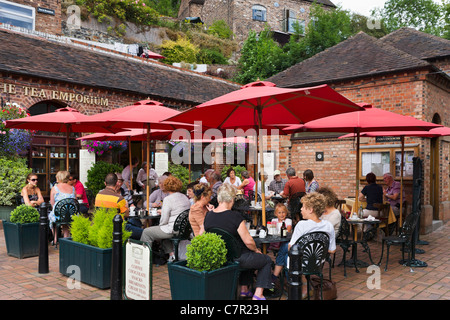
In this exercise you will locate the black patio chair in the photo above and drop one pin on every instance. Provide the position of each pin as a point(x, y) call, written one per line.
point(64, 210)
point(344, 240)
point(295, 205)
point(313, 247)
point(182, 231)
point(405, 238)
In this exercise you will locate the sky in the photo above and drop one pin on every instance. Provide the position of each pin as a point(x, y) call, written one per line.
point(360, 6)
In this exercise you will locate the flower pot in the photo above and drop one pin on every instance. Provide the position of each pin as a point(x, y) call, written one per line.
point(5, 212)
point(189, 284)
point(94, 263)
point(22, 240)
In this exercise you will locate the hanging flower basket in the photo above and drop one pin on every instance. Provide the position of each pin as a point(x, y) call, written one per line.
point(102, 147)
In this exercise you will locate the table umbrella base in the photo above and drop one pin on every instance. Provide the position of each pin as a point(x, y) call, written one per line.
point(421, 242)
point(414, 263)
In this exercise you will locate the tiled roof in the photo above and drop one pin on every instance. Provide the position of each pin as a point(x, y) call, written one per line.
point(358, 56)
point(419, 44)
point(325, 2)
point(34, 56)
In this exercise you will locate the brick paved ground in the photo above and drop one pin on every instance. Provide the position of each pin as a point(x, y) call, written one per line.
point(19, 279)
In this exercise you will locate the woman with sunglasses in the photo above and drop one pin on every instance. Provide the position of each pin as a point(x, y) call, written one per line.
point(31, 194)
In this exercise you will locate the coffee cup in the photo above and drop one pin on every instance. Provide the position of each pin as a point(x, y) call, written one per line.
point(132, 213)
point(252, 232)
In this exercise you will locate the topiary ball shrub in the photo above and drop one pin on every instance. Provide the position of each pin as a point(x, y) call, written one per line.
point(206, 252)
point(24, 214)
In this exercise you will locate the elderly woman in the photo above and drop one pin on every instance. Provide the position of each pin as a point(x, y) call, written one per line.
point(31, 194)
point(61, 190)
point(202, 195)
point(157, 196)
point(251, 257)
point(174, 204)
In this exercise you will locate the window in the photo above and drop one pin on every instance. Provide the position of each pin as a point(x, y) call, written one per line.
point(17, 15)
point(258, 13)
point(290, 21)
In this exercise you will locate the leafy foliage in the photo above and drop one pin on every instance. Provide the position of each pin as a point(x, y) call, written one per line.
point(220, 29)
point(97, 173)
point(13, 174)
point(181, 50)
point(100, 232)
point(206, 252)
point(24, 214)
point(181, 173)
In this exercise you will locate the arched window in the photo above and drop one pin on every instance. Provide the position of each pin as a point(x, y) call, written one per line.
point(259, 13)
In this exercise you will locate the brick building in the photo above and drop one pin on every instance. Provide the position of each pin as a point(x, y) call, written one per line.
point(405, 72)
point(42, 72)
point(245, 15)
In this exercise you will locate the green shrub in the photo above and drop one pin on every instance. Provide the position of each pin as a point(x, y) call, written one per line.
point(99, 233)
point(13, 174)
point(181, 50)
point(181, 172)
point(206, 252)
point(24, 214)
point(220, 29)
point(211, 56)
point(96, 175)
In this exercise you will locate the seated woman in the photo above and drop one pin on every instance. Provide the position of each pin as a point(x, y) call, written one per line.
point(61, 190)
point(232, 178)
point(31, 194)
point(174, 204)
point(251, 257)
point(156, 197)
point(331, 213)
point(247, 184)
point(311, 184)
point(312, 209)
point(372, 193)
point(202, 195)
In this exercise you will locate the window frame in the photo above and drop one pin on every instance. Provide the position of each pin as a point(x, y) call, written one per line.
point(20, 16)
point(260, 8)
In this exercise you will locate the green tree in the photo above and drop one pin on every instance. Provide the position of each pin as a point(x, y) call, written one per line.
point(423, 15)
point(261, 57)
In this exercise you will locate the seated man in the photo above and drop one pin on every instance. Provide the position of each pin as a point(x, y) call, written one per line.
point(392, 193)
point(80, 193)
point(134, 224)
point(109, 198)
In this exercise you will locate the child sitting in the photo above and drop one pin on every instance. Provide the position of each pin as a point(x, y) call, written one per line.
point(281, 213)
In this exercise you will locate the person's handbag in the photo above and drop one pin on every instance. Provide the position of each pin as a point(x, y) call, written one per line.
point(329, 291)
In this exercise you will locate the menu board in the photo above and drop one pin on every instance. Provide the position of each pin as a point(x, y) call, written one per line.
point(161, 163)
point(376, 162)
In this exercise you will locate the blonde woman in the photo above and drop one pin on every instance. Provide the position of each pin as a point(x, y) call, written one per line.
point(61, 190)
point(31, 194)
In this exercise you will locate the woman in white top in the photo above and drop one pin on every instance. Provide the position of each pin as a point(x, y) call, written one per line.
point(331, 213)
point(232, 178)
point(174, 204)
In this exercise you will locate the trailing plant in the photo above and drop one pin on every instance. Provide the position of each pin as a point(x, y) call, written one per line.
point(101, 147)
point(99, 233)
point(13, 141)
point(206, 252)
point(97, 173)
point(24, 214)
point(13, 174)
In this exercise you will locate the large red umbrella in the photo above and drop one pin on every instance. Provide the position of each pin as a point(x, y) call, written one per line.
point(261, 104)
point(61, 120)
point(145, 115)
point(372, 119)
point(433, 133)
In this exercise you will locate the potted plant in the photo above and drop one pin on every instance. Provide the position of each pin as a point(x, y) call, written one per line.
point(22, 232)
point(13, 176)
point(205, 274)
point(90, 248)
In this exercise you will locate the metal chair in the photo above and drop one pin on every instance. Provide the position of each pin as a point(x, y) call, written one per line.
point(314, 252)
point(405, 238)
point(344, 240)
point(340, 205)
point(295, 205)
point(182, 231)
point(383, 216)
point(64, 210)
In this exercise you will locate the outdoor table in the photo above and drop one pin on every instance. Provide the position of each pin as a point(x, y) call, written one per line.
point(263, 242)
point(142, 214)
point(354, 262)
point(278, 199)
point(138, 196)
point(350, 202)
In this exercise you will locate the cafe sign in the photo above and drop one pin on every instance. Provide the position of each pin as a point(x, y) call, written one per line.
point(9, 88)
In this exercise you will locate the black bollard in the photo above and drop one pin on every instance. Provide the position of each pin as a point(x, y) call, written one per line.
point(295, 275)
point(43, 239)
point(116, 267)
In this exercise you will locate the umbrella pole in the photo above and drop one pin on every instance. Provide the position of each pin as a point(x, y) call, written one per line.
point(148, 168)
point(357, 171)
point(67, 146)
point(401, 179)
point(263, 196)
point(129, 159)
